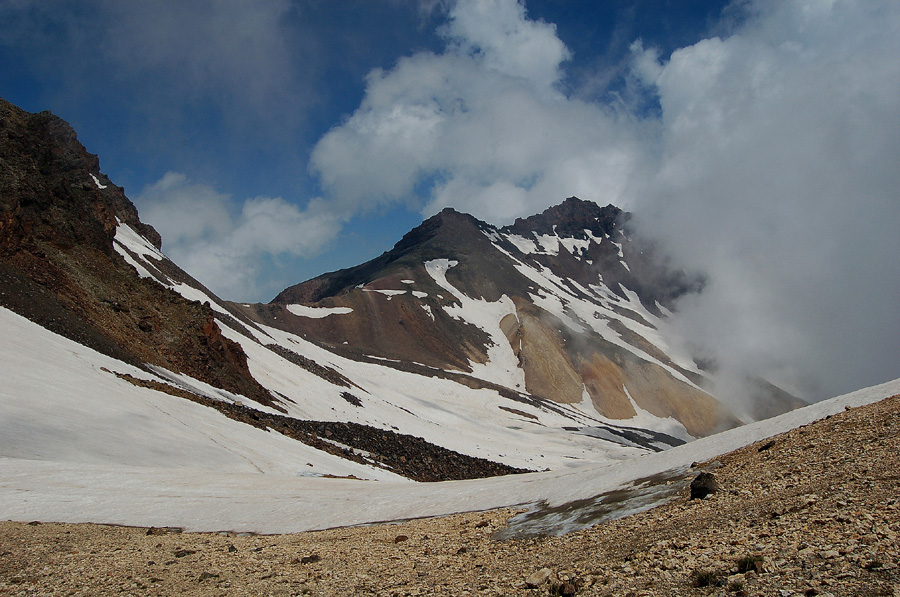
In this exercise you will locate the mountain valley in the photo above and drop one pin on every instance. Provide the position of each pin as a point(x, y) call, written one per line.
point(470, 369)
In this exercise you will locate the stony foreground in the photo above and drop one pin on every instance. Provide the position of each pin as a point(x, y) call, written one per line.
point(815, 511)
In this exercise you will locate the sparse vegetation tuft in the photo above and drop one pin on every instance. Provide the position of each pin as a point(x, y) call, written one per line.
point(705, 578)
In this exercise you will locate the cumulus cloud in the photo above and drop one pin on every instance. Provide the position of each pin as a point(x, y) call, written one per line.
point(481, 126)
point(222, 242)
point(498, 33)
point(770, 165)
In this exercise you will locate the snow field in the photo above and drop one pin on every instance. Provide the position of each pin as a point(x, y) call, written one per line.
point(77, 412)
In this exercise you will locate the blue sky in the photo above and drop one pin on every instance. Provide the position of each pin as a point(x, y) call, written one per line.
point(235, 96)
point(272, 141)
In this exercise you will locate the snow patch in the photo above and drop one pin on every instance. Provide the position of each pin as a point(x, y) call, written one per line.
point(524, 245)
point(128, 241)
point(388, 293)
point(575, 246)
point(129, 238)
point(317, 312)
point(195, 294)
point(97, 182)
point(549, 244)
point(502, 366)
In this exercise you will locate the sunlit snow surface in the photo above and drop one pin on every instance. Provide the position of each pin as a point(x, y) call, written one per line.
point(317, 312)
point(81, 445)
point(62, 402)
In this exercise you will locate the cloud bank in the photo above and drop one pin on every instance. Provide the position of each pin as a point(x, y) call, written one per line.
point(778, 177)
point(770, 164)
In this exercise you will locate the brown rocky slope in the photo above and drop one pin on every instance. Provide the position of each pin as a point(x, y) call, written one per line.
point(815, 511)
point(58, 266)
point(395, 309)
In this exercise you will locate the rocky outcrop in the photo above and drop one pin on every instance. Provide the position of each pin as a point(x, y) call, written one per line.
point(58, 217)
point(572, 217)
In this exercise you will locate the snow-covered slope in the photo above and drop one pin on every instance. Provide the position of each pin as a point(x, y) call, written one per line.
point(210, 498)
point(62, 402)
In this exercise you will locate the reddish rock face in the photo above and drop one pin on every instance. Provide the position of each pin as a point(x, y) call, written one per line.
point(58, 266)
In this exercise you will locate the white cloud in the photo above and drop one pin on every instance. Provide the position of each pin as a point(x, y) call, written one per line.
point(481, 127)
point(498, 34)
point(222, 243)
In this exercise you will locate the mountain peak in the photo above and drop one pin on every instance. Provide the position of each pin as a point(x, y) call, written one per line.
point(441, 235)
point(570, 218)
point(71, 202)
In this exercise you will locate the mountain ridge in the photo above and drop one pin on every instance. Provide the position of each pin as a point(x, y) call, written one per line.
point(59, 219)
point(395, 307)
point(516, 349)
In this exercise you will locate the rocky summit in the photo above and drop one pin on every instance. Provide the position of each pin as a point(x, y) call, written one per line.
point(565, 306)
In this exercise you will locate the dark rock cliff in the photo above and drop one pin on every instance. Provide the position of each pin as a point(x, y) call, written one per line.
point(58, 267)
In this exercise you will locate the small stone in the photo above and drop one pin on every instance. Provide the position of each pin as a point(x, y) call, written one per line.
point(766, 446)
point(703, 485)
point(400, 538)
point(184, 552)
point(536, 579)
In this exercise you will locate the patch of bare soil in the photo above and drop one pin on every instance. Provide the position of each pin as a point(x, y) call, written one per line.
point(815, 511)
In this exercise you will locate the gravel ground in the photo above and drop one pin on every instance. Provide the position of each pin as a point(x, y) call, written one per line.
point(815, 511)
